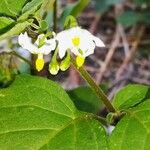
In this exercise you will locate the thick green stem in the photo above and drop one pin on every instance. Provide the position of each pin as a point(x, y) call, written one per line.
point(19, 56)
point(55, 16)
point(98, 91)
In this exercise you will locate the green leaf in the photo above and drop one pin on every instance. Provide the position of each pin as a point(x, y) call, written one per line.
point(129, 96)
point(102, 6)
point(79, 7)
point(133, 130)
point(145, 15)
point(43, 26)
point(5, 24)
point(48, 6)
point(70, 22)
point(85, 100)
point(129, 18)
point(36, 113)
point(19, 27)
point(11, 8)
point(15, 14)
point(141, 2)
point(30, 8)
point(32, 5)
point(74, 9)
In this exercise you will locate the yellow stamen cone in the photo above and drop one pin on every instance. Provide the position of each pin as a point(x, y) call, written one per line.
point(80, 61)
point(76, 41)
point(39, 62)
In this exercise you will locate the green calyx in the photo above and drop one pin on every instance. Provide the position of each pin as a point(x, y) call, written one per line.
point(54, 66)
point(42, 40)
point(70, 22)
point(65, 64)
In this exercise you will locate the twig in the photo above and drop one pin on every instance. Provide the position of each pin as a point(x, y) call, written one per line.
point(55, 16)
point(124, 40)
point(130, 56)
point(111, 51)
point(19, 56)
point(95, 24)
point(141, 81)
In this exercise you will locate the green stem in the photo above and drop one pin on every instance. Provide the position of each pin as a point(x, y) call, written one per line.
point(55, 16)
point(98, 91)
point(19, 56)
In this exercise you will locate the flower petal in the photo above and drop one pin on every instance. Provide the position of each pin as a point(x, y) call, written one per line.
point(49, 46)
point(87, 46)
point(64, 43)
point(98, 42)
point(83, 46)
point(26, 43)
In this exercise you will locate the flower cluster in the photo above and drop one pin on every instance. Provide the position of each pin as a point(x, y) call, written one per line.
point(77, 41)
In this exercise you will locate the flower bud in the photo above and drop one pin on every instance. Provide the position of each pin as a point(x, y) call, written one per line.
point(39, 62)
point(65, 64)
point(54, 67)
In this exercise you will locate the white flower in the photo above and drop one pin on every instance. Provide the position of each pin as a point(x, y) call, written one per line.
point(80, 41)
point(42, 46)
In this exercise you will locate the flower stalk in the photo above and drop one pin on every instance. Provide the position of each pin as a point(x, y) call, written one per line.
point(55, 16)
point(98, 91)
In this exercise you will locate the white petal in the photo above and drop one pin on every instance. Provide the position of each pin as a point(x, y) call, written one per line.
point(22, 39)
point(87, 42)
point(87, 46)
point(76, 31)
point(98, 42)
point(62, 50)
point(64, 43)
point(63, 36)
point(48, 47)
point(51, 43)
point(26, 42)
point(75, 51)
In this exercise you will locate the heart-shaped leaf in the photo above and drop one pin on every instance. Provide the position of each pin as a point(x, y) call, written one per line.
point(38, 114)
point(129, 96)
point(133, 131)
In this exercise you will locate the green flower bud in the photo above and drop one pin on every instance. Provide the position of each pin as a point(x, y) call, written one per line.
point(54, 67)
point(65, 64)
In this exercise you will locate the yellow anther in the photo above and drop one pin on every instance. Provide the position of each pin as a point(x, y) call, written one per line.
point(39, 63)
point(80, 61)
point(76, 41)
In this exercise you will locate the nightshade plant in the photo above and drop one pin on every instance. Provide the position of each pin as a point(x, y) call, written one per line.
point(37, 114)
